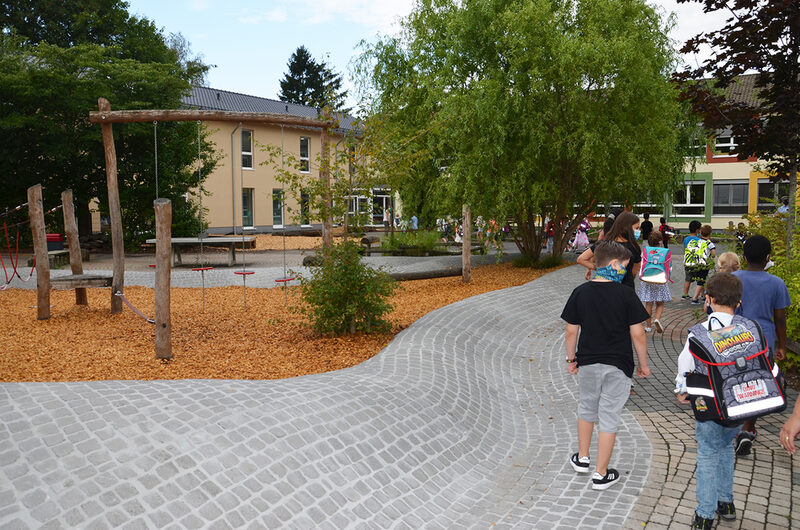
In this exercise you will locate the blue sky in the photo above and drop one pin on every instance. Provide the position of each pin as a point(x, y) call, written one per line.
point(250, 42)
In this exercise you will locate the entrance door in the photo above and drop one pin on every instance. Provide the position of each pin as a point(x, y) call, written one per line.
point(247, 206)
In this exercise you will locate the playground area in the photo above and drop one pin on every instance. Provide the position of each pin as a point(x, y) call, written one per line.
point(225, 341)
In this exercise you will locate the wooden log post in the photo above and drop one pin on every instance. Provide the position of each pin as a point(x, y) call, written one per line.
point(36, 213)
point(114, 211)
point(466, 246)
point(325, 177)
point(73, 243)
point(163, 209)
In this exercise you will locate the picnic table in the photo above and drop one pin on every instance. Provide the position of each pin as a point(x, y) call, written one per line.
point(177, 243)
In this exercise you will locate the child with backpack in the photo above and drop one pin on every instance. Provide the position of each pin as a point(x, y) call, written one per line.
point(696, 254)
point(653, 288)
point(724, 373)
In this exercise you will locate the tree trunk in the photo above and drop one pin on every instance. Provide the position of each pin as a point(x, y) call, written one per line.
point(792, 210)
point(84, 218)
point(528, 236)
point(466, 245)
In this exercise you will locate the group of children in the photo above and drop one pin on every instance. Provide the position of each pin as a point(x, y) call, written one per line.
point(604, 326)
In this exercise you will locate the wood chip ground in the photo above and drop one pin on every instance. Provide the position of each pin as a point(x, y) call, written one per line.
point(266, 341)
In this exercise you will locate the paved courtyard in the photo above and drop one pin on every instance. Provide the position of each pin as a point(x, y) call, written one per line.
point(465, 420)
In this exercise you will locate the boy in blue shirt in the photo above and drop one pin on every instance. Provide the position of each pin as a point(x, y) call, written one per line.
point(764, 299)
point(607, 316)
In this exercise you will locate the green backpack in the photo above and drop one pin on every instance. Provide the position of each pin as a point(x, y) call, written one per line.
point(696, 253)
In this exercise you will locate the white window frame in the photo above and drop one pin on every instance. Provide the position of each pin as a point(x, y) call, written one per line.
point(282, 198)
point(768, 207)
point(730, 146)
point(247, 153)
point(730, 197)
point(686, 189)
point(305, 161)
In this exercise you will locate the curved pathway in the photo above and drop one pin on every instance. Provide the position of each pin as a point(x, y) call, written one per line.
point(465, 420)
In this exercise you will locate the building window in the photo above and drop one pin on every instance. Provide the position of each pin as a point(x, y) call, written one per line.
point(247, 149)
point(730, 198)
point(770, 193)
point(304, 208)
point(690, 199)
point(277, 207)
point(381, 201)
point(247, 207)
point(304, 160)
point(725, 145)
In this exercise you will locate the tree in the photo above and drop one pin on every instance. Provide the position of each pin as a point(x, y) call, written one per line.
point(312, 83)
point(47, 91)
point(763, 37)
point(527, 109)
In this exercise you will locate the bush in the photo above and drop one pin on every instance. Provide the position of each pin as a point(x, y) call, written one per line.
point(344, 295)
point(423, 240)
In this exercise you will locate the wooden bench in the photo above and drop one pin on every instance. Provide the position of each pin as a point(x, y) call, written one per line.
point(230, 243)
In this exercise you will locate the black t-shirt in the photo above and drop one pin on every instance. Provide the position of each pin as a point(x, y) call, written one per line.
point(636, 257)
point(646, 227)
point(605, 311)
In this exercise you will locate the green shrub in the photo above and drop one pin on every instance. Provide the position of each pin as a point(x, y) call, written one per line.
point(423, 240)
point(344, 295)
point(523, 262)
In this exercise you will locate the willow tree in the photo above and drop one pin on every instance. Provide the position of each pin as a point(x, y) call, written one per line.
point(527, 109)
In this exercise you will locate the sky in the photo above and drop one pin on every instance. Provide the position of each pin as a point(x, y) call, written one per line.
point(250, 42)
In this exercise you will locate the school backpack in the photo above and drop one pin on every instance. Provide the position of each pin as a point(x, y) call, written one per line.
point(696, 253)
point(655, 268)
point(733, 378)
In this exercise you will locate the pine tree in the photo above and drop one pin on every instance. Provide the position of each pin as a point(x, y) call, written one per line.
point(302, 84)
point(312, 83)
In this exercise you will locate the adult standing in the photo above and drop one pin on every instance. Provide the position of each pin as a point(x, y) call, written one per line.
point(791, 429)
point(622, 231)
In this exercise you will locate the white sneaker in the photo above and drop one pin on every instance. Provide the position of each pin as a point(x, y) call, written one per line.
point(648, 329)
point(658, 326)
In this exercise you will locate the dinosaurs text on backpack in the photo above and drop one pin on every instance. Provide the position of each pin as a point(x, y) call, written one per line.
point(734, 379)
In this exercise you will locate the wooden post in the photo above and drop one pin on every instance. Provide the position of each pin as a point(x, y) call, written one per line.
point(36, 213)
point(163, 209)
point(466, 246)
point(325, 177)
point(114, 211)
point(71, 230)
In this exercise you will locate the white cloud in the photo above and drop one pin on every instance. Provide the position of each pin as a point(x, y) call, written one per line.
point(277, 14)
point(198, 5)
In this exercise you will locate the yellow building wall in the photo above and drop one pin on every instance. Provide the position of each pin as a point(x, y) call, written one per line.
point(223, 203)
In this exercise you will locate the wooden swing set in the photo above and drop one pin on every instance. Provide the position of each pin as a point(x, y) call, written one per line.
point(163, 210)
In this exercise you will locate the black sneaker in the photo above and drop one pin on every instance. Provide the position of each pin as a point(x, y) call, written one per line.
point(685, 296)
point(701, 523)
point(696, 302)
point(580, 465)
point(726, 510)
point(743, 443)
point(600, 482)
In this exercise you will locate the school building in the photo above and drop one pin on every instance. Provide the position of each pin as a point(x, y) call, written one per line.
point(243, 191)
point(722, 188)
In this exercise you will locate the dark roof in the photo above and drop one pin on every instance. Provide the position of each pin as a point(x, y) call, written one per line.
point(205, 98)
point(743, 90)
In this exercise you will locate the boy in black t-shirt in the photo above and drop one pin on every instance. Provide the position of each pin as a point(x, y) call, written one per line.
point(608, 316)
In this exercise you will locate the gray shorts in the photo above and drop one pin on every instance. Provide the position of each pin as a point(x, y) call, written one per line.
point(604, 389)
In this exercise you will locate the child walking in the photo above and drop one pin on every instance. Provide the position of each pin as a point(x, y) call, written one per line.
point(715, 458)
point(653, 287)
point(603, 326)
point(764, 299)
